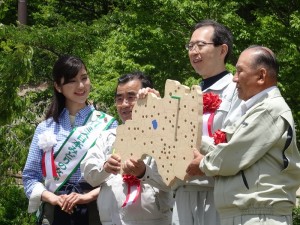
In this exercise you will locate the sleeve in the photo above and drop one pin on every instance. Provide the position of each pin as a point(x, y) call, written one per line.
point(252, 139)
point(32, 176)
point(92, 165)
point(207, 145)
point(152, 177)
point(32, 172)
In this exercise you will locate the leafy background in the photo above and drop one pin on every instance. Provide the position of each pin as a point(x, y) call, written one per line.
point(115, 37)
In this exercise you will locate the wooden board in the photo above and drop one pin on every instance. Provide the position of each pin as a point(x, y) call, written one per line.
point(165, 128)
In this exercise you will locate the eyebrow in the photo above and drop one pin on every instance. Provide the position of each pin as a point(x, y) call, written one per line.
point(128, 93)
point(131, 93)
point(199, 41)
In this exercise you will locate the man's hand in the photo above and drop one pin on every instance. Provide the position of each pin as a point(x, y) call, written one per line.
point(193, 168)
point(134, 167)
point(113, 164)
point(144, 92)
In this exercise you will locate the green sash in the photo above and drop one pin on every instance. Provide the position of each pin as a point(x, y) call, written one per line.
point(73, 150)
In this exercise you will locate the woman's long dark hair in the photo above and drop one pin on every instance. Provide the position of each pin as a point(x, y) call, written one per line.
point(66, 67)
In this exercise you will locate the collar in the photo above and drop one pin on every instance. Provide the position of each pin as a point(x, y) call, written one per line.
point(206, 83)
point(81, 115)
point(245, 105)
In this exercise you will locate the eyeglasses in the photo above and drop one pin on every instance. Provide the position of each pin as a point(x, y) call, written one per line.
point(190, 46)
point(129, 99)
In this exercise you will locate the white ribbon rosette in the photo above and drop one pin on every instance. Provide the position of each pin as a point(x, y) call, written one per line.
point(46, 142)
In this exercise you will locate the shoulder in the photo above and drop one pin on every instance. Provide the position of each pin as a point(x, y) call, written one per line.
point(102, 115)
point(277, 107)
point(108, 135)
point(225, 87)
point(106, 140)
point(46, 124)
point(275, 103)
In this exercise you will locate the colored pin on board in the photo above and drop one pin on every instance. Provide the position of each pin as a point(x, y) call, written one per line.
point(167, 129)
point(154, 124)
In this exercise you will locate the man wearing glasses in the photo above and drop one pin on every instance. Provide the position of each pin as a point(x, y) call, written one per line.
point(209, 49)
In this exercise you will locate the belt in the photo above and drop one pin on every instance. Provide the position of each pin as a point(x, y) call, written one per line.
point(80, 188)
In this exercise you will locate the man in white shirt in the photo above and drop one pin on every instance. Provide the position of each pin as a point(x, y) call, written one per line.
point(119, 202)
point(209, 49)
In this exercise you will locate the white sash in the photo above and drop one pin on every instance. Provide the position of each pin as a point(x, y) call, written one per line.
point(75, 147)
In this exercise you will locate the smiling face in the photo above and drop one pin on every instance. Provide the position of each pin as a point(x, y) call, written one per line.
point(207, 60)
point(76, 90)
point(126, 98)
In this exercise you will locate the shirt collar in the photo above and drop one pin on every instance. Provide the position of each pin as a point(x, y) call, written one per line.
point(81, 114)
point(245, 105)
point(206, 83)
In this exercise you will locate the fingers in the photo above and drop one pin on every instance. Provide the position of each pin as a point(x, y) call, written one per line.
point(58, 200)
point(70, 202)
point(128, 167)
point(113, 164)
point(134, 167)
point(196, 153)
point(144, 92)
point(193, 168)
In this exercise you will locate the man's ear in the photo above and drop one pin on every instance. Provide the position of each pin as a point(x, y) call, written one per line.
point(262, 76)
point(57, 87)
point(224, 49)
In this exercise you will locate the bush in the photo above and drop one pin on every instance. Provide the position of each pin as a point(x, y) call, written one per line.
point(296, 216)
point(13, 206)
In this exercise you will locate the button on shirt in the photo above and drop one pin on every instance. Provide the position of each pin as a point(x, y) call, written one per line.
point(32, 172)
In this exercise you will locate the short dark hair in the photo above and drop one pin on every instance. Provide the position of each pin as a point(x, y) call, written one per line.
point(222, 35)
point(266, 58)
point(66, 67)
point(137, 75)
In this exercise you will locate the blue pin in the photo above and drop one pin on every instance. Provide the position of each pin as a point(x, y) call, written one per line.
point(154, 124)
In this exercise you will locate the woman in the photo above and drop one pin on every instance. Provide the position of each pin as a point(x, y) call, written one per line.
point(52, 174)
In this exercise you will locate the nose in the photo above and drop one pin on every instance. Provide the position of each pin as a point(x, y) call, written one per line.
point(195, 49)
point(125, 102)
point(235, 78)
point(80, 84)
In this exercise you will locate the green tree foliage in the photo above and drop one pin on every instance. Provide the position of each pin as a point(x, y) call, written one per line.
point(119, 36)
point(12, 206)
point(15, 70)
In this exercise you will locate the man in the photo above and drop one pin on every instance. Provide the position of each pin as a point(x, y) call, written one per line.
point(209, 49)
point(117, 203)
point(257, 171)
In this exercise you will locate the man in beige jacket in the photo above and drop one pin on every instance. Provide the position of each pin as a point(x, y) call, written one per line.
point(257, 170)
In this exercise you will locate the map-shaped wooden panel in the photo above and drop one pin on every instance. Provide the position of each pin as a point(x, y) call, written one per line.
point(165, 128)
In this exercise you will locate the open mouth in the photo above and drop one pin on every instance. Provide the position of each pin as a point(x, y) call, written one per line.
point(80, 93)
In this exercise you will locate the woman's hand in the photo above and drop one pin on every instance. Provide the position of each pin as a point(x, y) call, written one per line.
point(70, 201)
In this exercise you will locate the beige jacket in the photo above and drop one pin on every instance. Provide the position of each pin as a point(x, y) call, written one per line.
point(258, 170)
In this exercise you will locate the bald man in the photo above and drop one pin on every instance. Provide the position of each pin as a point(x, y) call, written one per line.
point(257, 170)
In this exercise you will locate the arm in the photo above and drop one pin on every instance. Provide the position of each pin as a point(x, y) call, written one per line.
point(92, 166)
point(253, 137)
point(32, 172)
point(32, 177)
point(68, 202)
